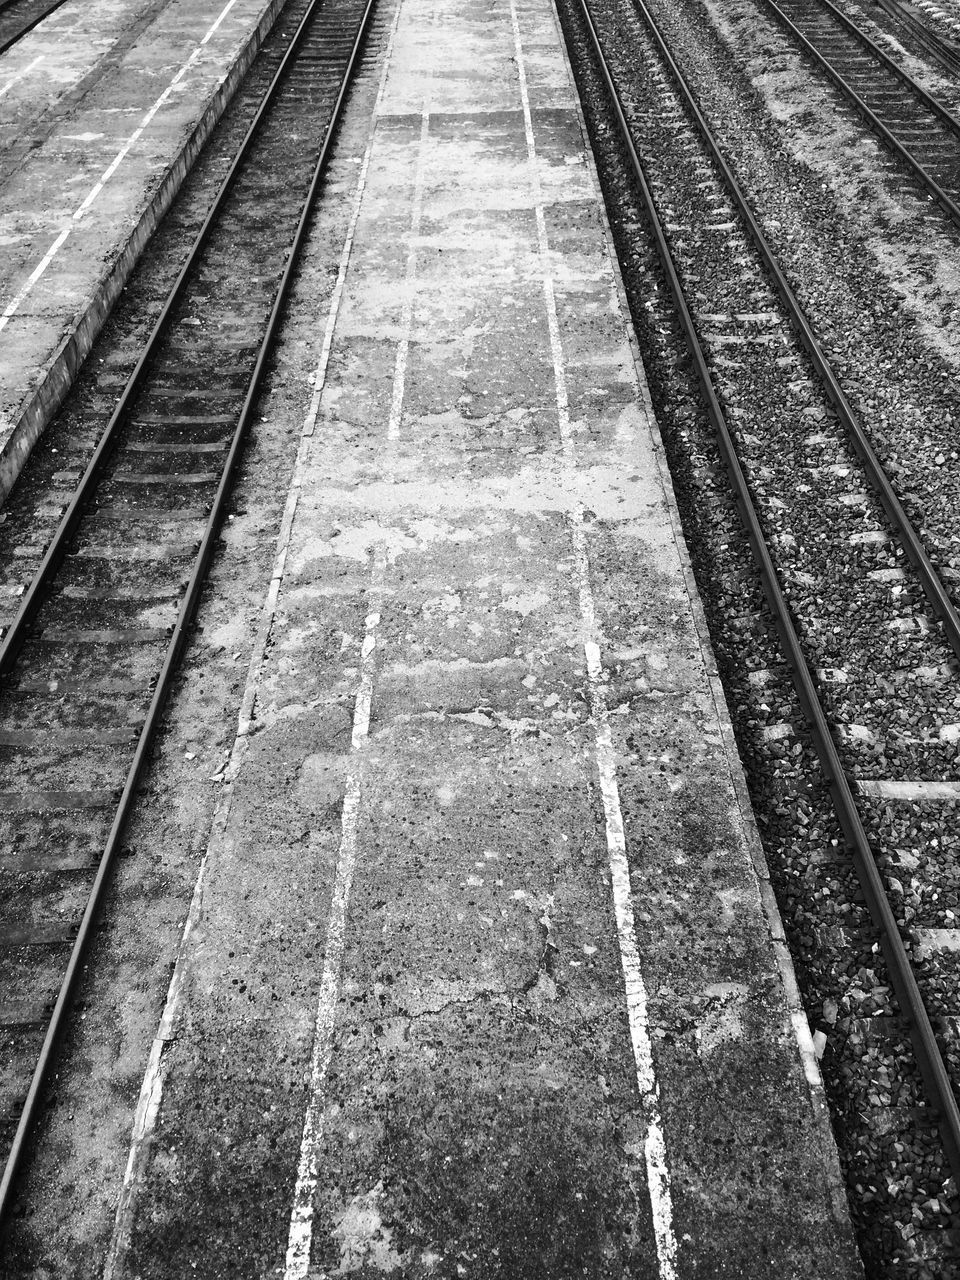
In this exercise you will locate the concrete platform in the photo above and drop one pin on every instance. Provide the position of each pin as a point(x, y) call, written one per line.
point(103, 108)
point(482, 976)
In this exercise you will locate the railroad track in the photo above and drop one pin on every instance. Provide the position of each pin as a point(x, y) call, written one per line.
point(869, 638)
point(917, 127)
point(936, 44)
point(17, 17)
point(104, 571)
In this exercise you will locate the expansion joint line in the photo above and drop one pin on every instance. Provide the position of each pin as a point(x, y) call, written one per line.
point(655, 1154)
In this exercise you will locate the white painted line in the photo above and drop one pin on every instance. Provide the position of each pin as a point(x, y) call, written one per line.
point(319, 375)
point(151, 1090)
point(15, 303)
point(655, 1153)
point(21, 74)
point(148, 117)
point(909, 790)
point(406, 318)
point(751, 844)
point(300, 1237)
point(17, 300)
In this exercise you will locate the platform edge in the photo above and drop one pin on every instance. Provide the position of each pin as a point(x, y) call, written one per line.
point(42, 402)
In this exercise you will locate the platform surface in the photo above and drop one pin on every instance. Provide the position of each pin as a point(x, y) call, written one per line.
point(98, 108)
point(481, 977)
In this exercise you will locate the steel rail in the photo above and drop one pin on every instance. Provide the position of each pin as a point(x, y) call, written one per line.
point(909, 159)
point(185, 615)
point(25, 30)
point(903, 980)
point(18, 630)
point(929, 101)
point(933, 587)
point(932, 42)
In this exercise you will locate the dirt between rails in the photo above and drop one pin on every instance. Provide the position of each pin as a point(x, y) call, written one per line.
point(62, 1225)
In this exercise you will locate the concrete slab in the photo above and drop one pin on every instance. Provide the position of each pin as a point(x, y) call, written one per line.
point(142, 85)
point(58, 58)
point(482, 976)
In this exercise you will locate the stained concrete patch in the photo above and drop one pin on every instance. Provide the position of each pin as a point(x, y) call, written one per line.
point(364, 1240)
point(500, 1174)
point(224, 1175)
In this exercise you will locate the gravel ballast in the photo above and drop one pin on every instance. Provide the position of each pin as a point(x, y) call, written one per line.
point(886, 675)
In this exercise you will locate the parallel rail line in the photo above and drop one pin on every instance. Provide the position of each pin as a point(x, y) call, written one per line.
point(87, 662)
point(914, 124)
point(936, 46)
point(727, 208)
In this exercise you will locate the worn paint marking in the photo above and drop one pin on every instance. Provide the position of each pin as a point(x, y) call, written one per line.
point(151, 1091)
point(784, 960)
point(5, 88)
point(655, 1153)
point(18, 299)
point(300, 1238)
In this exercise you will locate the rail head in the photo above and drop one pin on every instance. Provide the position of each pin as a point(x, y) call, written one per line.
point(934, 589)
